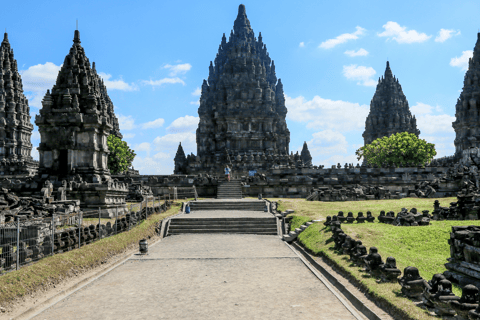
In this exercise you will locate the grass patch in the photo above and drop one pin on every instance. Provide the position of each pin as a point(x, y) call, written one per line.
point(424, 247)
point(54, 269)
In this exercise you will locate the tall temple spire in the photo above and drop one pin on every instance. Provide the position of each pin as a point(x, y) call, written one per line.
point(241, 26)
point(389, 110)
point(15, 126)
point(242, 105)
point(76, 119)
point(467, 108)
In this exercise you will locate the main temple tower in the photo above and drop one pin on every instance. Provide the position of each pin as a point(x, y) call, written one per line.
point(389, 110)
point(242, 106)
point(467, 123)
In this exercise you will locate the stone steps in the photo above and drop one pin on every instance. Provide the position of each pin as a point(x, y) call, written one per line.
point(228, 205)
point(265, 226)
point(229, 190)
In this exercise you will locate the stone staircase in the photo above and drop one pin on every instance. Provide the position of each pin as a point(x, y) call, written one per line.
point(228, 205)
point(263, 226)
point(229, 190)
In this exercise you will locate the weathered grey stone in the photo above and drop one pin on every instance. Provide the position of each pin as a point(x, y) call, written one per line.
point(15, 126)
point(467, 107)
point(389, 110)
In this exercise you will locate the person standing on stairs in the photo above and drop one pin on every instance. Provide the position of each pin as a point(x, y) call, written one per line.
point(227, 172)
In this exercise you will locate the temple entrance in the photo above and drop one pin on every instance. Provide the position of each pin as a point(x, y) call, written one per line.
point(63, 162)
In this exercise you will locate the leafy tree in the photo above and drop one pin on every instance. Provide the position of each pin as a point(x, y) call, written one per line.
point(400, 148)
point(120, 157)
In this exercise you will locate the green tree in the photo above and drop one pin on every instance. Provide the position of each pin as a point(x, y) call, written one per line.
point(400, 148)
point(120, 157)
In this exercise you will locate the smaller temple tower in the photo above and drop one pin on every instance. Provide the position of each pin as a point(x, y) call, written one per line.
point(389, 110)
point(74, 123)
point(180, 160)
point(15, 126)
point(467, 122)
point(76, 120)
point(305, 155)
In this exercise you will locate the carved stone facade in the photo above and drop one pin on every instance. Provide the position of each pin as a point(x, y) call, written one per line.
point(74, 123)
point(389, 110)
point(242, 106)
point(15, 126)
point(467, 123)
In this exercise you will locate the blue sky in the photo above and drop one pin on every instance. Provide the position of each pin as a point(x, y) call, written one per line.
point(154, 55)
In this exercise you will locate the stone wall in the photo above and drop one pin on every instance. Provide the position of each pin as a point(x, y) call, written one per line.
point(298, 182)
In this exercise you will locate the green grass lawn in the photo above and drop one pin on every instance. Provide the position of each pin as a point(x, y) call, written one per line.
point(424, 247)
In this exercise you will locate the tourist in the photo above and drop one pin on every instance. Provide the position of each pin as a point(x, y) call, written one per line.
point(227, 172)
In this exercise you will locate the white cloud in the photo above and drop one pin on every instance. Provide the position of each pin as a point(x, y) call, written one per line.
point(35, 134)
point(144, 146)
point(327, 114)
point(183, 124)
point(423, 108)
point(158, 83)
point(162, 155)
point(35, 154)
point(195, 103)
point(359, 52)
point(147, 165)
point(430, 124)
point(445, 34)
point(435, 127)
point(330, 43)
point(462, 61)
point(302, 44)
point(129, 136)
point(116, 84)
point(125, 122)
point(171, 141)
point(400, 34)
point(197, 92)
point(178, 68)
point(37, 80)
point(361, 74)
point(327, 142)
point(157, 123)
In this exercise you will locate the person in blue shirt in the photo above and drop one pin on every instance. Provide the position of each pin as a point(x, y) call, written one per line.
point(227, 172)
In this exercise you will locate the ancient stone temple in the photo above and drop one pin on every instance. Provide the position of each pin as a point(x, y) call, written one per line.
point(74, 123)
point(305, 155)
point(15, 126)
point(389, 110)
point(242, 106)
point(180, 160)
point(467, 123)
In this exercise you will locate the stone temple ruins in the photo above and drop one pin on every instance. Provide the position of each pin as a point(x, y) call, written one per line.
point(242, 107)
point(15, 126)
point(467, 123)
point(389, 112)
point(242, 124)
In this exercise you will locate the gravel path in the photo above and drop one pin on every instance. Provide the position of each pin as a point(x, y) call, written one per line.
point(206, 276)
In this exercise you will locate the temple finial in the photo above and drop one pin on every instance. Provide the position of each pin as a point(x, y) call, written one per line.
point(241, 9)
point(76, 38)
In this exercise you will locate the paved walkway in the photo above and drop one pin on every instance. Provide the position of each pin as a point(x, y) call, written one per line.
point(206, 276)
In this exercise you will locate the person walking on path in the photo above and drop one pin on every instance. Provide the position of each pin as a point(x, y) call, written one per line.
point(227, 172)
